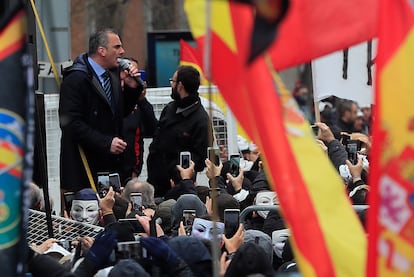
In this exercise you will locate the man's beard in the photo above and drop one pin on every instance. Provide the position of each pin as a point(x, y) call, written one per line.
point(174, 94)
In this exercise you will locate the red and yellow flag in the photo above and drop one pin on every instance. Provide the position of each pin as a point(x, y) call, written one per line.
point(391, 214)
point(190, 56)
point(327, 236)
point(313, 28)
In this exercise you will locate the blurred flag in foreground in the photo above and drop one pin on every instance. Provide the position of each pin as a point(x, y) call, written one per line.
point(15, 108)
point(190, 56)
point(391, 213)
point(313, 28)
point(328, 239)
point(269, 13)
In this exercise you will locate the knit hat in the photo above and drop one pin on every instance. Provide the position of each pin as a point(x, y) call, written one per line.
point(163, 214)
point(261, 239)
point(250, 258)
point(86, 194)
point(128, 267)
point(195, 254)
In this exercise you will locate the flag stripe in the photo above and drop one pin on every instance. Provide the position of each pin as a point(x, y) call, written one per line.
point(12, 37)
point(391, 243)
point(333, 243)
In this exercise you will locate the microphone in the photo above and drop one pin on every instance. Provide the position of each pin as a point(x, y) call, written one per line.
point(124, 65)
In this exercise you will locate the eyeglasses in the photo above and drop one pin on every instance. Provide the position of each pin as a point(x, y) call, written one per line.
point(172, 81)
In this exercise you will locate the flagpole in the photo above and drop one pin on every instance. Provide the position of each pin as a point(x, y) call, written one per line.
point(208, 76)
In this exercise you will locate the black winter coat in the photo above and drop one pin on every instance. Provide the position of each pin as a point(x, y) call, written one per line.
point(87, 119)
point(177, 132)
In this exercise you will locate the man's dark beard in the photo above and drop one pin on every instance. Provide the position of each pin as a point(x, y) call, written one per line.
point(174, 94)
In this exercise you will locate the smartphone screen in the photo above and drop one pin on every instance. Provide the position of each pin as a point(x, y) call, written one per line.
point(115, 181)
point(231, 222)
point(103, 183)
point(188, 220)
point(352, 149)
point(185, 158)
point(234, 165)
point(213, 154)
point(129, 250)
point(136, 199)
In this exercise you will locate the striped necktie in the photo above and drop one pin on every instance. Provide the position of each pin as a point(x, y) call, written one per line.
point(107, 85)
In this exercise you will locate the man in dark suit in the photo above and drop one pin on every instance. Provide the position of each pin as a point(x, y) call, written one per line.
point(91, 110)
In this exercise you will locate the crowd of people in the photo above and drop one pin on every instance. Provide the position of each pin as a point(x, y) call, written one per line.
point(104, 115)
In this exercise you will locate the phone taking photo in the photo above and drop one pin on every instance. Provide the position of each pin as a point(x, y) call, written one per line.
point(103, 183)
point(231, 222)
point(185, 158)
point(352, 149)
point(213, 154)
point(136, 199)
point(115, 182)
point(188, 220)
point(234, 164)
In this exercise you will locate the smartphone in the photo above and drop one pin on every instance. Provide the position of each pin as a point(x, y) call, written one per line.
point(213, 154)
point(130, 250)
point(136, 199)
point(103, 183)
point(188, 220)
point(352, 149)
point(315, 130)
point(231, 222)
point(115, 182)
point(345, 139)
point(234, 164)
point(185, 158)
point(68, 197)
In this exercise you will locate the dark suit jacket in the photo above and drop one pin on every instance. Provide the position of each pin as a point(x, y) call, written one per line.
point(88, 120)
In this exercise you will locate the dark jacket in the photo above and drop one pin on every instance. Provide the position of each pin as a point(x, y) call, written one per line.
point(88, 120)
point(177, 132)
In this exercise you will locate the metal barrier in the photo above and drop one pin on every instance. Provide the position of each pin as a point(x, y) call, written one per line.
point(249, 209)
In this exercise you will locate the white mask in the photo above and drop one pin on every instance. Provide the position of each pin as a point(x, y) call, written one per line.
point(265, 198)
point(85, 211)
point(203, 228)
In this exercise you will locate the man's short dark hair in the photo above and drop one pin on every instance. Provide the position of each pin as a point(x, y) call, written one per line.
point(189, 77)
point(98, 39)
point(344, 105)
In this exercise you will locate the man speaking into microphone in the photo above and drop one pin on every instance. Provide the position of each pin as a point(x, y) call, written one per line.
point(92, 106)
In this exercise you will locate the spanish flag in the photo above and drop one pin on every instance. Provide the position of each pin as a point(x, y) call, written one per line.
point(14, 131)
point(391, 213)
point(328, 239)
point(313, 28)
point(190, 56)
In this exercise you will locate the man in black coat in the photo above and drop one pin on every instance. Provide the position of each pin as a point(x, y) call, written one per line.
point(184, 125)
point(90, 116)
